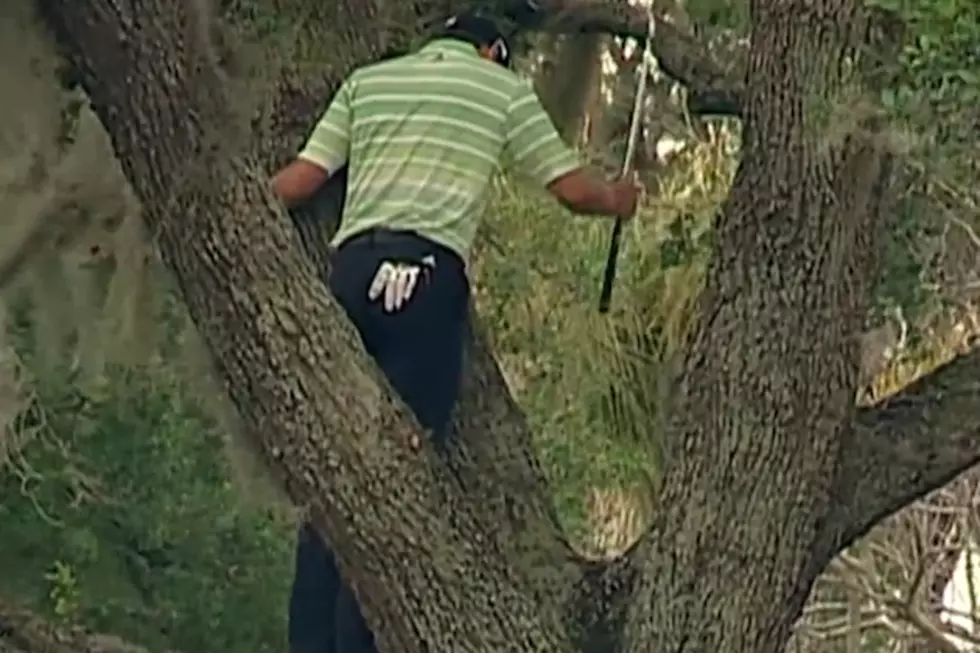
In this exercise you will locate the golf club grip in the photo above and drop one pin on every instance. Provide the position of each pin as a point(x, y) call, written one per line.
point(605, 297)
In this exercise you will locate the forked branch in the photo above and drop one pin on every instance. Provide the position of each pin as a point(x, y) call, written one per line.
point(909, 445)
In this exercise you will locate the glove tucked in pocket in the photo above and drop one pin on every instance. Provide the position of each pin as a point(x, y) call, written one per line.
point(396, 282)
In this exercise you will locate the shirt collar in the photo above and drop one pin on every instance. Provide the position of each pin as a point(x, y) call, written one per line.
point(451, 45)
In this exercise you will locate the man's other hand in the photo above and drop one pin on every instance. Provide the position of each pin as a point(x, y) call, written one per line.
point(584, 191)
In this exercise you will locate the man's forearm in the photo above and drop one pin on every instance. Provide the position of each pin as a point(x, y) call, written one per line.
point(287, 191)
point(586, 193)
point(597, 199)
point(297, 182)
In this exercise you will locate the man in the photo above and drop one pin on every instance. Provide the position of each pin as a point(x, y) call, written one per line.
point(422, 135)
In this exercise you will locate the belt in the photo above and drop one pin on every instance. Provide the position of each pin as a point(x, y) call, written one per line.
point(380, 237)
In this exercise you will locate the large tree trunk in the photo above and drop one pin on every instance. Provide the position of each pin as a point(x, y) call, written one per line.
point(765, 455)
point(766, 397)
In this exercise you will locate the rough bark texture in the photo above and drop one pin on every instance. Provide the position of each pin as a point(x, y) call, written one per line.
point(765, 400)
point(895, 455)
point(466, 555)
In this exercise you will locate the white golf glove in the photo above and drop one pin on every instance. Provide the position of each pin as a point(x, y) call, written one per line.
point(398, 281)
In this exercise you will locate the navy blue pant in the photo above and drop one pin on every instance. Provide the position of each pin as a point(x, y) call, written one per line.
point(420, 349)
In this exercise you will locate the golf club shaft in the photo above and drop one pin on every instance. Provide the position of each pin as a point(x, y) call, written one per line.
point(605, 296)
point(609, 276)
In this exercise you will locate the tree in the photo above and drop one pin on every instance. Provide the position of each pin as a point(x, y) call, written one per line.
point(889, 589)
point(770, 467)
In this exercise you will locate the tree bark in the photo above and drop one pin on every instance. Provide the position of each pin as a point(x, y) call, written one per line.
point(895, 456)
point(764, 404)
point(466, 555)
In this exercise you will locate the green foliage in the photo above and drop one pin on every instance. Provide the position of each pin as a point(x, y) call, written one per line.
point(714, 14)
point(63, 592)
point(930, 96)
point(937, 81)
point(940, 60)
point(121, 515)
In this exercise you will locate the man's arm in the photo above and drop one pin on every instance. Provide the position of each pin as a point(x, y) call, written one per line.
point(298, 181)
point(535, 150)
point(584, 191)
point(325, 152)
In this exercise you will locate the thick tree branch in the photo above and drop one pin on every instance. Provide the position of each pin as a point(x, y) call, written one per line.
point(494, 463)
point(909, 445)
point(712, 90)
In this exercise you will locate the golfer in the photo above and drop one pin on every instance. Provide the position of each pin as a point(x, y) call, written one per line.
point(422, 136)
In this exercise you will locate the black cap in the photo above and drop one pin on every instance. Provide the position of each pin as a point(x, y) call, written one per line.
point(479, 30)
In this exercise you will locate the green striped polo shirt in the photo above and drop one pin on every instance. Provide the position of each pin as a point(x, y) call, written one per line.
point(423, 135)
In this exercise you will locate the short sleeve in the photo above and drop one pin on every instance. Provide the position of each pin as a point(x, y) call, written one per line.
point(329, 144)
point(533, 148)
